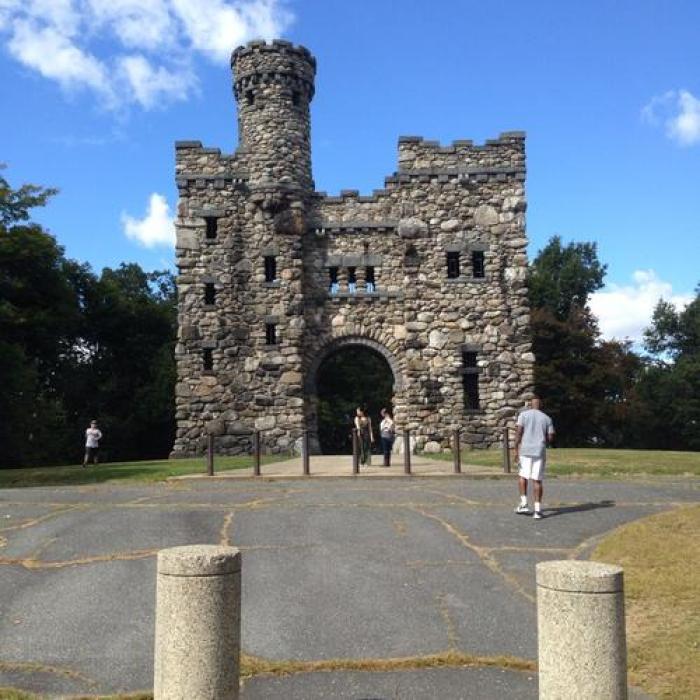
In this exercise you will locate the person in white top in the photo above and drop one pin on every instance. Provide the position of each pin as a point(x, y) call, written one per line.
point(93, 435)
point(534, 432)
point(387, 432)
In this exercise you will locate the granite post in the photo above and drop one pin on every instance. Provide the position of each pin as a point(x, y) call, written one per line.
point(198, 623)
point(581, 631)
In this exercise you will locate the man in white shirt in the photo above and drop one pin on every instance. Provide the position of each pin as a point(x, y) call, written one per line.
point(535, 431)
point(92, 443)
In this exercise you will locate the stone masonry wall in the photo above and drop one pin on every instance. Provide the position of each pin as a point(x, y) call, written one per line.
point(456, 199)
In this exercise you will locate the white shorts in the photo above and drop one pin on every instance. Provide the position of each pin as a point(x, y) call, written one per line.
point(532, 467)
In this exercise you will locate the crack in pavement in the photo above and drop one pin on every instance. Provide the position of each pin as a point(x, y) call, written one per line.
point(37, 667)
point(252, 666)
point(481, 552)
point(43, 518)
point(29, 563)
point(444, 610)
point(224, 539)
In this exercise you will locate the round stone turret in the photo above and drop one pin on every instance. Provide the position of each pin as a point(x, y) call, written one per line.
point(274, 84)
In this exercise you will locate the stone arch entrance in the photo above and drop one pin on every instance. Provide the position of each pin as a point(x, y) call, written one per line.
point(317, 365)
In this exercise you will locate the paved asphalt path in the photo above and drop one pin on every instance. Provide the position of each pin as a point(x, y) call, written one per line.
point(332, 569)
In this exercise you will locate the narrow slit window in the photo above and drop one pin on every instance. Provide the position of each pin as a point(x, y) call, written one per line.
point(333, 285)
point(478, 269)
point(212, 227)
point(469, 359)
point(295, 98)
point(352, 280)
point(209, 294)
point(207, 360)
point(471, 391)
point(370, 283)
point(271, 333)
point(250, 98)
point(270, 268)
point(470, 379)
point(453, 265)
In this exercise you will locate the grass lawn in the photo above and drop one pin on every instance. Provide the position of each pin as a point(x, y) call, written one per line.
point(660, 556)
point(156, 470)
point(596, 462)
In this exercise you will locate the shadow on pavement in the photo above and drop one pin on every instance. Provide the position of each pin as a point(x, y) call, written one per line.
point(581, 507)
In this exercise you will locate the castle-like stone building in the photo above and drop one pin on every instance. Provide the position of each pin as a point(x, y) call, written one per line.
point(274, 276)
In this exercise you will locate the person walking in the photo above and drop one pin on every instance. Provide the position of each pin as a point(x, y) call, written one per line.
point(387, 432)
point(534, 432)
point(363, 425)
point(93, 435)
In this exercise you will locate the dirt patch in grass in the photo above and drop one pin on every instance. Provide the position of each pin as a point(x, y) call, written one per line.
point(661, 559)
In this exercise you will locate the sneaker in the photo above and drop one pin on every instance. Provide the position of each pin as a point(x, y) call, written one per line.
point(523, 510)
point(537, 515)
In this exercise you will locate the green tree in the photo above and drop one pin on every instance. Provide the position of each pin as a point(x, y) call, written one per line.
point(75, 347)
point(126, 375)
point(670, 388)
point(39, 322)
point(561, 278)
point(587, 385)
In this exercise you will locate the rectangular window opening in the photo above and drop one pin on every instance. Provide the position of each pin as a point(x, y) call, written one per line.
point(370, 282)
point(207, 360)
point(352, 280)
point(212, 226)
point(271, 333)
point(471, 391)
point(470, 379)
point(209, 293)
point(468, 359)
point(478, 269)
point(250, 98)
point(453, 265)
point(270, 268)
point(295, 98)
point(333, 285)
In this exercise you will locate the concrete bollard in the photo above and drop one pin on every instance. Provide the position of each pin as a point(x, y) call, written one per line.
point(198, 623)
point(581, 631)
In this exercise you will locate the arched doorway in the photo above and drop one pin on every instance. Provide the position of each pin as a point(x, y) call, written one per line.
point(348, 373)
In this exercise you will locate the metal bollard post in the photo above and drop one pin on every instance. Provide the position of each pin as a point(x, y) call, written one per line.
point(355, 452)
point(581, 631)
point(305, 452)
point(506, 451)
point(407, 452)
point(456, 452)
point(210, 455)
point(198, 623)
point(256, 453)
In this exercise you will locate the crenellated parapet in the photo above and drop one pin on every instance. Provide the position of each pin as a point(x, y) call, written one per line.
point(258, 63)
point(505, 154)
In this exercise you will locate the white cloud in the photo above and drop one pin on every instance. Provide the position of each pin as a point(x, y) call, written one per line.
point(625, 311)
point(54, 56)
point(133, 51)
point(156, 228)
point(679, 112)
point(151, 85)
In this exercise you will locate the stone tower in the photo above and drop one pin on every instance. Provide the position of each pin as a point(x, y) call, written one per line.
point(274, 85)
point(274, 277)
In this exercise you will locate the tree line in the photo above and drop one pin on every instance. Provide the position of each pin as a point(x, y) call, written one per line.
point(77, 345)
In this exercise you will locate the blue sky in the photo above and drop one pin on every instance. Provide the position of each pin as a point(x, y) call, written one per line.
point(95, 92)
